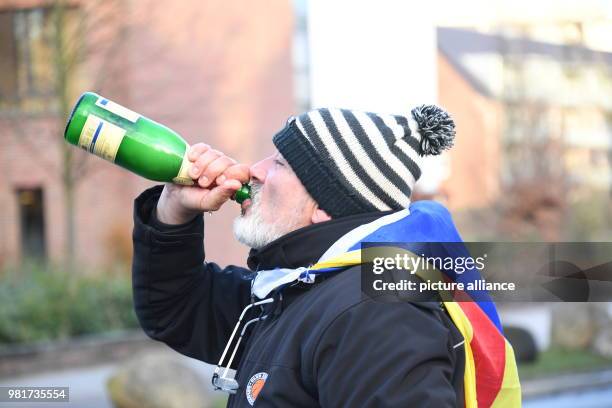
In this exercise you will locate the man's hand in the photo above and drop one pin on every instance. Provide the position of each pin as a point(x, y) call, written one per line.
point(216, 177)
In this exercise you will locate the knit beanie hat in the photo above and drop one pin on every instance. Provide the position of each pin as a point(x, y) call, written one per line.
point(354, 162)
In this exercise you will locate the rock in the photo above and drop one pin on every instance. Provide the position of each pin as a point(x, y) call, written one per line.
point(523, 343)
point(602, 344)
point(573, 326)
point(157, 380)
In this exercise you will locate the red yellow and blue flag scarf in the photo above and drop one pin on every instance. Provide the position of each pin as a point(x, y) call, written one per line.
point(491, 377)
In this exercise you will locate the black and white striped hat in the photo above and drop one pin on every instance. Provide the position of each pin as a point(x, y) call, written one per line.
point(353, 162)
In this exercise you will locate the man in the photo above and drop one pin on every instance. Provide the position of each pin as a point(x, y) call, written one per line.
point(315, 344)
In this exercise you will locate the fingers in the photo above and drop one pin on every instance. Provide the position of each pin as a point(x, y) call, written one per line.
point(219, 195)
point(202, 162)
point(240, 172)
point(211, 168)
point(196, 151)
point(215, 169)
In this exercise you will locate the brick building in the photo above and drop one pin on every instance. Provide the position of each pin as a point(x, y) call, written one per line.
point(229, 74)
point(510, 93)
point(210, 70)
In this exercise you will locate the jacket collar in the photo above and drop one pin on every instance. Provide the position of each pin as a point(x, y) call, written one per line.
point(304, 247)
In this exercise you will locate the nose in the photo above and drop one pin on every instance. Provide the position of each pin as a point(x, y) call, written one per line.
point(259, 171)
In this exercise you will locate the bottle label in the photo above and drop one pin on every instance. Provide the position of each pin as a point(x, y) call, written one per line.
point(117, 109)
point(183, 175)
point(101, 138)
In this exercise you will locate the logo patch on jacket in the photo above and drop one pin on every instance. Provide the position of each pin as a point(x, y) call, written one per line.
point(254, 386)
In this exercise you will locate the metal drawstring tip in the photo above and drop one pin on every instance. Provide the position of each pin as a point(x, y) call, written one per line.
point(228, 385)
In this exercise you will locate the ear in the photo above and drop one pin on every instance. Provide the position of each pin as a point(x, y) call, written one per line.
point(319, 215)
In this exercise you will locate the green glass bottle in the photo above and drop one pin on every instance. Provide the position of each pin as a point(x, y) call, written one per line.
point(131, 141)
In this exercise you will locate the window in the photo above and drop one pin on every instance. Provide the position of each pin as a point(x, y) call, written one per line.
point(26, 52)
point(8, 59)
point(32, 223)
point(27, 74)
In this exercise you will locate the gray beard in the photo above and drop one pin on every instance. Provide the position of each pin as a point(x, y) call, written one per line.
point(252, 231)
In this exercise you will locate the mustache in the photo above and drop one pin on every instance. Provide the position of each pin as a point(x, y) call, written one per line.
point(255, 190)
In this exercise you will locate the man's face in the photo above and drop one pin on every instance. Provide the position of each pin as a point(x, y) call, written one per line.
point(279, 204)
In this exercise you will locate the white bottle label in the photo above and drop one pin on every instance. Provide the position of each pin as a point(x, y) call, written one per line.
point(101, 138)
point(117, 109)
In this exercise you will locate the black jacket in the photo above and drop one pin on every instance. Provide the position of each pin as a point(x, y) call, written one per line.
point(325, 345)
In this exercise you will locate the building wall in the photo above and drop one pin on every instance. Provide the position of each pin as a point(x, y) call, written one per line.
point(474, 160)
point(209, 70)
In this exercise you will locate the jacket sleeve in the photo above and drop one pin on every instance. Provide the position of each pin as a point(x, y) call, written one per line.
point(179, 299)
point(387, 355)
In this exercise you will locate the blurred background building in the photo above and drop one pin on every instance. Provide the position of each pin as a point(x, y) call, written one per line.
point(215, 72)
point(530, 94)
